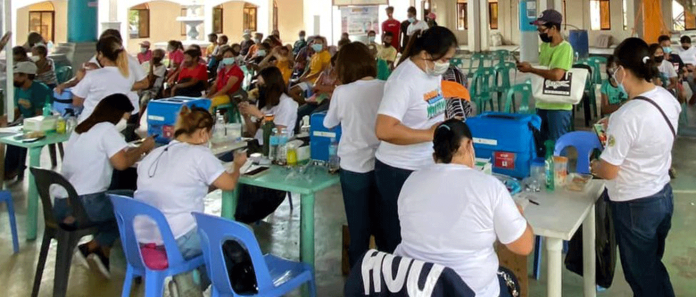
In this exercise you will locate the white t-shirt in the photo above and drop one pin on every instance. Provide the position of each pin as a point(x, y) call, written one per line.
point(414, 98)
point(640, 143)
point(355, 106)
point(86, 163)
point(285, 114)
point(688, 56)
point(98, 84)
point(667, 69)
point(418, 25)
point(175, 179)
point(452, 215)
point(137, 73)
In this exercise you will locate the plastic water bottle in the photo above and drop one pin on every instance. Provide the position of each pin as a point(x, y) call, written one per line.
point(47, 109)
point(219, 130)
point(334, 161)
point(273, 142)
point(550, 166)
point(282, 158)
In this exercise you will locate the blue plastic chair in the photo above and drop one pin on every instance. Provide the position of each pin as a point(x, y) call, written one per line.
point(274, 276)
point(6, 196)
point(126, 209)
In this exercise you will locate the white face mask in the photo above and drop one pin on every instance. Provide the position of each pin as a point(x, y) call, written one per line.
point(35, 58)
point(439, 68)
point(121, 125)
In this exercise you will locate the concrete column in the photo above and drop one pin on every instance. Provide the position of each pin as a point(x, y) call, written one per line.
point(667, 14)
point(82, 20)
point(474, 19)
point(484, 37)
point(265, 21)
point(7, 22)
point(208, 23)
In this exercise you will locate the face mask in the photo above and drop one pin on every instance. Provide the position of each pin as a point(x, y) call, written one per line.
point(261, 53)
point(257, 40)
point(317, 47)
point(667, 49)
point(387, 44)
point(659, 59)
point(411, 20)
point(157, 60)
point(439, 68)
point(371, 39)
point(143, 50)
point(616, 80)
point(686, 48)
point(121, 125)
point(35, 58)
point(228, 61)
point(17, 84)
point(302, 38)
point(545, 38)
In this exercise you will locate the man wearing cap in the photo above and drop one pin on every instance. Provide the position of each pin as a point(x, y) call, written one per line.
point(556, 54)
point(247, 43)
point(300, 43)
point(145, 54)
point(29, 98)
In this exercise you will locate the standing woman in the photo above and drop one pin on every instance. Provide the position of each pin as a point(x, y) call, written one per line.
point(113, 78)
point(636, 162)
point(354, 106)
point(411, 108)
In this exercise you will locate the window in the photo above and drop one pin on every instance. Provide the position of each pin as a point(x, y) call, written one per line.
point(275, 15)
point(250, 17)
point(493, 14)
point(462, 19)
point(42, 22)
point(600, 16)
point(217, 19)
point(625, 15)
point(139, 21)
point(183, 26)
point(682, 18)
point(689, 20)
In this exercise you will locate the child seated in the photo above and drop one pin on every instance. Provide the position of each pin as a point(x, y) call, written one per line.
point(46, 72)
point(612, 96)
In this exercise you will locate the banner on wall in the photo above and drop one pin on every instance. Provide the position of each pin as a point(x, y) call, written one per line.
point(360, 20)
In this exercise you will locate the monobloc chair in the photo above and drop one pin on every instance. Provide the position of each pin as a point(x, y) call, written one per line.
point(67, 235)
point(525, 92)
point(482, 88)
point(274, 276)
point(6, 196)
point(478, 59)
point(585, 143)
point(503, 82)
point(126, 209)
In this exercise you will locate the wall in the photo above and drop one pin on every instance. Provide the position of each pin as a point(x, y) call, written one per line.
point(290, 22)
point(60, 20)
point(233, 21)
point(163, 25)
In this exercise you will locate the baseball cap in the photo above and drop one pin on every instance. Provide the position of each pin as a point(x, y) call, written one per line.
point(548, 16)
point(145, 43)
point(25, 67)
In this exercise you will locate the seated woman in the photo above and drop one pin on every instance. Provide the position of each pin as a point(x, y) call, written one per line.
point(273, 100)
point(175, 179)
point(321, 93)
point(452, 214)
point(94, 150)
point(281, 57)
point(193, 76)
point(320, 61)
point(229, 80)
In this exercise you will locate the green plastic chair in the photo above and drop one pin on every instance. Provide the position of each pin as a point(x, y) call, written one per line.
point(525, 92)
point(457, 62)
point(233, 115)
point(590, 86)
point(482, 88)
point(596, 64)
point(476, 57)
point(500, 56)
point(64, 73)
point(502, 81)
point(383, 71)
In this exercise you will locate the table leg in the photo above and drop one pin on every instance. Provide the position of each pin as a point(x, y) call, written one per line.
point(307, 229)
point(229, 203)
point(554, 246)
point(588, 254)
point(33, 195)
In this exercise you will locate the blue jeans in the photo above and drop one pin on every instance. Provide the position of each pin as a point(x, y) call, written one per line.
point(190, 246)
point(390, 180)
point(15, 160)
point(360, 197)
point(554, 123)
point(642, 226)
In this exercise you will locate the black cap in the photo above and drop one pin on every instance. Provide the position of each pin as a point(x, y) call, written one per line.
point(548, 16)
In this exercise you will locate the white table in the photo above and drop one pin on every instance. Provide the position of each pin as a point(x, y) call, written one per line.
point(557, 217)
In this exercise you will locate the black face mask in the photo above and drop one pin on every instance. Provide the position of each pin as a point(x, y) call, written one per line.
point(686, 48)
point(157, 60)
point(17, 84)
point(659, 59)
point(545, 37)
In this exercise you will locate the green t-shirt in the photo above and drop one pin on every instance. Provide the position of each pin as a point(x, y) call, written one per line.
point(383, 71)
point(37, 95)
point(560, 56)
point(614, 94)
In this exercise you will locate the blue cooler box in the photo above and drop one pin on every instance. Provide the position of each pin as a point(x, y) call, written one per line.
point(507, 140)
point(162, 114)
point(320, 137)
point(63, 101)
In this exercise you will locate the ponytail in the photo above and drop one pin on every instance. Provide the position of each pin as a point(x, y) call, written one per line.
point(122, 63)
point(111, 48)
point(634, 55)
point(436, 41)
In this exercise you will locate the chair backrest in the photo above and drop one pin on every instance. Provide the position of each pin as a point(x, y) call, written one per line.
point(501, 55)
point(584, 142)
point(502, 72)
point(64, 73)
point(583, 64)
point(457, 62)
point(525, 90)
point(476, 57)
point(484, 81)
point(44, 179)
point(126, 209)
point(214, 232)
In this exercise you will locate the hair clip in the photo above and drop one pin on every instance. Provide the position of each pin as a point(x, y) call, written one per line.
point(445, 126)
point(646, 59)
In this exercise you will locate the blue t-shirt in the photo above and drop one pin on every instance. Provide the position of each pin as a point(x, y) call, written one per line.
point(31, 101)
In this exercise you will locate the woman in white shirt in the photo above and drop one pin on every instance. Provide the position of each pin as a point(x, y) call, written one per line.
point(94, 150)
point(354, 106)
point(452, 214)
point(636, 163)
point(411, 108)
point(113, 78)
point(273, 100)
point(176, 178)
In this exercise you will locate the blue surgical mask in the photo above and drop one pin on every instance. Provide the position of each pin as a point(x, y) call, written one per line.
point(228, 61)
point(371, 39)
point(411, 20)
point(317, 47)
point(261, 53)
point(667, 49)
point(619, 84)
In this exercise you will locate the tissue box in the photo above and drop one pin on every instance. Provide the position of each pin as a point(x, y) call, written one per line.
point(40, 124)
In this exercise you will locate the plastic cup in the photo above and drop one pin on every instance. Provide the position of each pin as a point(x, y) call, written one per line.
point(560, 170)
